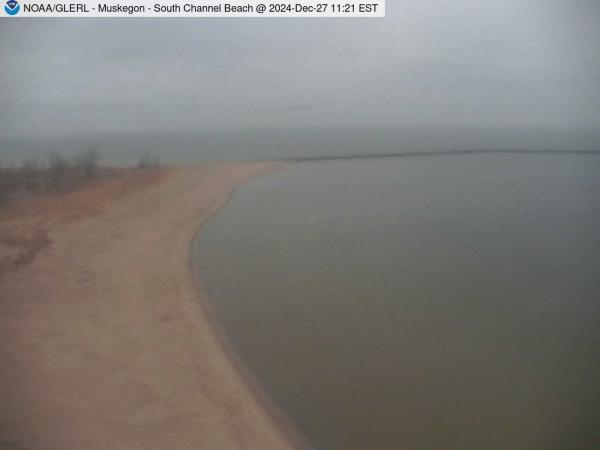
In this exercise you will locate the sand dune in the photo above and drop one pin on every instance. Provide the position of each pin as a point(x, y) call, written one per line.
point(103, 343)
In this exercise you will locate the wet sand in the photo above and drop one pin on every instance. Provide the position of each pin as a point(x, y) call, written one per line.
point(104, 343)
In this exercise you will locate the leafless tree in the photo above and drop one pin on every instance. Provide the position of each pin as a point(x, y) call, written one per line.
point(31, 175)
point(88, 162)
point(57, 167)
point(5, 183)
point(147, 161)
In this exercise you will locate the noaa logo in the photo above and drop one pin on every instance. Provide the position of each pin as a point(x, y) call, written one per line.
point(12, 7)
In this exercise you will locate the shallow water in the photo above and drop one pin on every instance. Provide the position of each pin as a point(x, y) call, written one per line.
point(444, 302)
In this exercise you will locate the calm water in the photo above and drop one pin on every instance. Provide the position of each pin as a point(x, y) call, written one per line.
point(419, 303)
point(193, 146)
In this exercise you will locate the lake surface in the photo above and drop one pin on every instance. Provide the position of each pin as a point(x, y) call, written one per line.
point(193, 146)
point(446, 302)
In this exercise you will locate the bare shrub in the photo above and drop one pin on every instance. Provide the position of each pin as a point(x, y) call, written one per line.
point(147, 161)
point(87, 161)
point(4, 184)
point(10, 181)
point(31, 177)
point(57, 169)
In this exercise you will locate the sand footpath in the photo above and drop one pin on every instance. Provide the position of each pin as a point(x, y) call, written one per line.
point(103, 342)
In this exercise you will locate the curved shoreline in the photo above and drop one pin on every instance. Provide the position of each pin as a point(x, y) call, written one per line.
point(105, 338)
point(276, 414)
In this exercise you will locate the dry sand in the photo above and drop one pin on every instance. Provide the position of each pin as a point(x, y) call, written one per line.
point(103, 341)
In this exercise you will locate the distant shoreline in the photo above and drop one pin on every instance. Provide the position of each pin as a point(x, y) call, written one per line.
point(446, 153)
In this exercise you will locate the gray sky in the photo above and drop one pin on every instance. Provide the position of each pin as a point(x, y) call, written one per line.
point(526, 63)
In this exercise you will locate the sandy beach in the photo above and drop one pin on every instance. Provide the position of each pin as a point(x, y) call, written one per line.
point(104, 343)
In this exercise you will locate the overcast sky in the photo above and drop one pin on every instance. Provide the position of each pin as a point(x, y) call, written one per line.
point(528, 63)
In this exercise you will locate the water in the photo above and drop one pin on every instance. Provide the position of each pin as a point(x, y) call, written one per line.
point(446, 302)
point(193, 146)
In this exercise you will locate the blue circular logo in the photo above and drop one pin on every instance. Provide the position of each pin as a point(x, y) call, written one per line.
point(12, 7)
